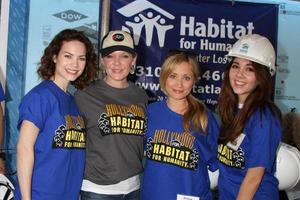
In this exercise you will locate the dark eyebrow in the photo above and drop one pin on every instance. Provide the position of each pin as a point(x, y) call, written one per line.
point(248, 64)
point(73, 54)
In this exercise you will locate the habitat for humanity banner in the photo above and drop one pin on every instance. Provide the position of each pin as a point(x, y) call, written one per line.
point(208, 28)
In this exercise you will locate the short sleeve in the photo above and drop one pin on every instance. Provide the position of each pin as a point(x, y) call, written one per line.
point(2, 95)
point(148, 118)
point(79, 97)
point(265, 135)
point(33, 108)
point(212, 140)
point(208, 143)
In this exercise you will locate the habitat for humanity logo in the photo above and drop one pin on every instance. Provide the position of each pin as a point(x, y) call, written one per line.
point(70, 15)
point(154, 22)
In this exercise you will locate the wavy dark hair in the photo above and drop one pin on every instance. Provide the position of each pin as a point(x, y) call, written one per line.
point(46, 68)
point(233, 122)
point(195, 118)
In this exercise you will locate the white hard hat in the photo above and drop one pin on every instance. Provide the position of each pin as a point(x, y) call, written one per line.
point(6, 188)
point(288, 166)
point(256, 48)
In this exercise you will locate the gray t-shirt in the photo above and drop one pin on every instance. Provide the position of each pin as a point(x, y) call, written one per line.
point(115, 122)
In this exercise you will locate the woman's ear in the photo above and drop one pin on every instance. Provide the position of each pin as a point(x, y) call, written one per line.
point(54, 59)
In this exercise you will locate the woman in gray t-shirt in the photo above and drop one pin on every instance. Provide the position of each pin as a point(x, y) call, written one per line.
point(114, 113)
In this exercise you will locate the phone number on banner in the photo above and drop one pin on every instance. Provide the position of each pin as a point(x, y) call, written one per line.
point(208, 75)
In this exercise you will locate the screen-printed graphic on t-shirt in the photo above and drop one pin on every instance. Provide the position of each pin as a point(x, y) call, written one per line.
point(71, 134)
point(119, 119)
point(173, 148)
point(231, 157)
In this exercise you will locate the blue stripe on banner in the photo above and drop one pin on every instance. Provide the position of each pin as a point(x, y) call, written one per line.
point(16, 55)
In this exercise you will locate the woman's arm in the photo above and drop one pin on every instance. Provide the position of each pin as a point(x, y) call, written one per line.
point(25, 157)
point(251, 183)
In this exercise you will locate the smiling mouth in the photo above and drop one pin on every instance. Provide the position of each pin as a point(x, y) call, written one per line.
point(239, 83)
point(177, 91)
point(116, 70)
point(72, 71)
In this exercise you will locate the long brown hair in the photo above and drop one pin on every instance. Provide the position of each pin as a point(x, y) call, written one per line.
point(233, 122)
point(194, 119)
point(47, 66)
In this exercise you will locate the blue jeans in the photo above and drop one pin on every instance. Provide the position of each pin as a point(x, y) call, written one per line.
point(135, 195)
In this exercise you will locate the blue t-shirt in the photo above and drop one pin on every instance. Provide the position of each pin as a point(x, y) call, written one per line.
point(59, 150)
point(177, 162)
point(262, 135)
point(2, 95)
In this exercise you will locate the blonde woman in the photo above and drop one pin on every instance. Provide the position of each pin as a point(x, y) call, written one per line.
point(114, 110)
point(181, 137)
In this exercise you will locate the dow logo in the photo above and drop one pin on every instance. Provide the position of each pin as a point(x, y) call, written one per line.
point(70, 15)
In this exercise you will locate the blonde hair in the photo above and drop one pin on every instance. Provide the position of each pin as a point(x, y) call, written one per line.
point(195, 118)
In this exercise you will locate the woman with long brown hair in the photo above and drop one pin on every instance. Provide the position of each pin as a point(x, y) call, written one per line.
point(251, 123)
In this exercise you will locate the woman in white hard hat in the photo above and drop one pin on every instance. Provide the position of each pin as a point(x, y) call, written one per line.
point(251, 123)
